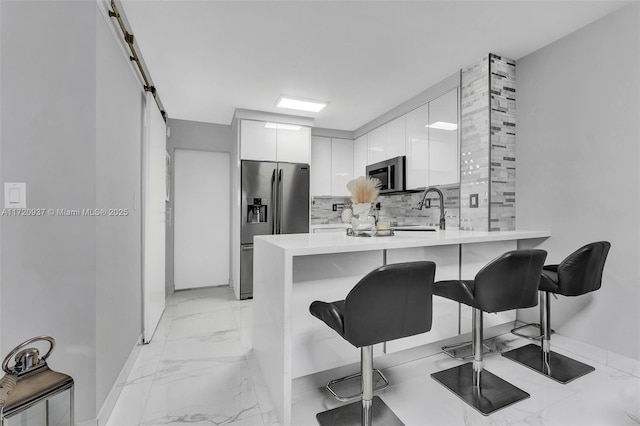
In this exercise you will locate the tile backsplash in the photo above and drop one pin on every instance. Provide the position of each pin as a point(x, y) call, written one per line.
point(322, 209)
point(399, 209)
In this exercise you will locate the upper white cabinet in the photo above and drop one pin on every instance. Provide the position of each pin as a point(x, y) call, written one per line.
point(341, 166)
point(257, 142)
point(360, 156)
point(444, 164)
point(264, 141)
point(395, 137)
point(377, 145)
point(432, 143)
point(320, 176)
point(331, 166)
point(293, 146)
point(417, 146)
point(386, 141)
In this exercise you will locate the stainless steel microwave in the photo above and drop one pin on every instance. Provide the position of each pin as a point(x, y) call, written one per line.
point(391, 174)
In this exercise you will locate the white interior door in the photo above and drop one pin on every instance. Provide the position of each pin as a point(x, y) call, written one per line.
point(202, 219)
point(153, 244)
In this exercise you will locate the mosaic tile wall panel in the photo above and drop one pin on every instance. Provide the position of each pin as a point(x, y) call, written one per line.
point(399, 209)
point(487, 145)
point(322, 209)
point(503, 144)
point(474, 146)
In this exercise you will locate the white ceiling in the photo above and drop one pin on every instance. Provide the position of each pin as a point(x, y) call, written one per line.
point(207, 58)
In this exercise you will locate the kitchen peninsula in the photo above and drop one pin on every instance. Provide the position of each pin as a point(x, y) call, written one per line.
point(291, 271)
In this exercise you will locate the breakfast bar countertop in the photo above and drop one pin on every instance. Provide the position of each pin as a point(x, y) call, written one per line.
point(326, 243)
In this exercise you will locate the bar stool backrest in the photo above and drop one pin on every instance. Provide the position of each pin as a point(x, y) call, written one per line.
point(390, 302)
point(581, 271)
point(509, 281)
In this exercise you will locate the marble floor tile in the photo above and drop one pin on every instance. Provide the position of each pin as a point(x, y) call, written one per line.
point(204, 305)
point(130, 404)
point(199, 369)
point(220, 395)
point(201, 324)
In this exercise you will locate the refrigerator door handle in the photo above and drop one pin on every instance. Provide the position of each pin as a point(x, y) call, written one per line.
point(274, 209)
point(280, 203)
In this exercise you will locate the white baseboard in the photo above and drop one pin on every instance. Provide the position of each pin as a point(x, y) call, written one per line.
point(112, 397)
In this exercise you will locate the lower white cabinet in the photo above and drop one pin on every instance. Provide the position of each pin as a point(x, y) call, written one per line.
point(340, 228)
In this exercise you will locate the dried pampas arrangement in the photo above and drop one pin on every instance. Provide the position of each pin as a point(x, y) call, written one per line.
point(364, 189)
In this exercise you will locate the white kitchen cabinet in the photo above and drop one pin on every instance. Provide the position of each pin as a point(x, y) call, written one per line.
point(341, 166)
point(377, 145)
point(264, 141)
point(395, 137)
point(331, 166)
point(293, 146)
point(360, 156)
point(339, 228)
point(417, 147)
point(444, 164)
point(432, 143)
point(320, 176)
point(257, 142)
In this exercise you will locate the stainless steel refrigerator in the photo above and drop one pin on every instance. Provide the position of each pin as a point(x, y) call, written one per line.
point(275, 200)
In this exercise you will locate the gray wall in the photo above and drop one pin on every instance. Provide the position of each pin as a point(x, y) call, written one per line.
point(48, 141)
point(198, 136)
point(578, 152)
point(72, 134)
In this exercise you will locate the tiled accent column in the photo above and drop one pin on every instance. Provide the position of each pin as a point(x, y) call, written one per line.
point(487, 145)
point(474, 145)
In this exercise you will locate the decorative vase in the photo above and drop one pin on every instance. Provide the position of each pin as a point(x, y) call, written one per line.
point(361, 221)
point(346, 215)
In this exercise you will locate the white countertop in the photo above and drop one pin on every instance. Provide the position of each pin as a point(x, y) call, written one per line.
point(325, 243)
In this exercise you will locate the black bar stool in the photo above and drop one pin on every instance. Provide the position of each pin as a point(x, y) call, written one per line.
point(390, 302)
point(578, 274)
point(507, 282)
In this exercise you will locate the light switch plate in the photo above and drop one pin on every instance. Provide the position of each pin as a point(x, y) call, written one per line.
point(15, 195)
point(473, 201)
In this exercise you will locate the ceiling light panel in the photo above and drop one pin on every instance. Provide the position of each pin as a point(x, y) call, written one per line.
point(300, 104)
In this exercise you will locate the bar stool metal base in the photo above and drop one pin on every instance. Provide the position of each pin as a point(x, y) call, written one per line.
point(351, 415)
point(493, 395)
point(561, 368)
point(516, 331)
point(464, 350)
point(354, 382)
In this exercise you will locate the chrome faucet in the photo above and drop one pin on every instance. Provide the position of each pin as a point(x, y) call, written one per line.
point(424, 197)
